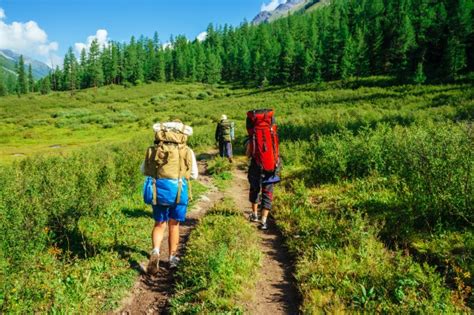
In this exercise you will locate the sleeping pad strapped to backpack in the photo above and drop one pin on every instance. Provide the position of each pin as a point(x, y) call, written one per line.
point(168, 168)
point(263, 138)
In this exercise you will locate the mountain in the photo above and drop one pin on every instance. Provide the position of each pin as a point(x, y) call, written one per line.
point(289, 7)
point(9, 59)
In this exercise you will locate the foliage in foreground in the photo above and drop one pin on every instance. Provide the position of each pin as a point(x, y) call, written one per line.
point(394, 189)
point(72, 227)
point(220, 264)
point(343, 266)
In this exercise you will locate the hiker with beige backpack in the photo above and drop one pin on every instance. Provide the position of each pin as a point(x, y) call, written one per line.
point(169, 166)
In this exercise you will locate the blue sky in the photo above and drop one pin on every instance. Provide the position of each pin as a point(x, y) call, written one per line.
point(46, 28)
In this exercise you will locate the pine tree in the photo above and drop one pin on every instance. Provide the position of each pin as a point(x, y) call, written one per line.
point(403, 43)
point(213, 68)
point(82, 71)
point(455, 57)
point(419, 77)
point(71, 71)
point(200, 62)
point(158, 69)
point(348, 61)
point(286, 58)
point(45, 87)
point(94, 65)
point(375, 13)
point(22, 82)
point(362, 55)
point(245, 62)
point(31, 80)
point(3, 87)
point(133, 68)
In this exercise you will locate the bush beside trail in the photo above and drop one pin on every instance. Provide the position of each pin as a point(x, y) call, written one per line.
point(67, 234)
point(355, 202)
point(342, 266)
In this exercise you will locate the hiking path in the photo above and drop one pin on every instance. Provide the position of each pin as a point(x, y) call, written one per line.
point(274, 292)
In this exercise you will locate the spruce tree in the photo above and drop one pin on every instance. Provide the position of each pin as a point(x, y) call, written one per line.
point(245, 62)
point(158, 69)
point(200, 62)
point(3, 87)
point(94, 65)
point(22, 83)
point(348, 61)
point(362, 59)
point(286, 58)
point(419, 77)
point(213, 68)
point(83, 71)
point(45, 86)
point(455, 57)
point(31, 80)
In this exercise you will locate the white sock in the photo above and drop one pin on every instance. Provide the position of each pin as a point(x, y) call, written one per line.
point(155, 250)
point(264, 220)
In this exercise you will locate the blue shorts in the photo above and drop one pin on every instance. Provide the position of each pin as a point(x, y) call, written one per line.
point(164, 213)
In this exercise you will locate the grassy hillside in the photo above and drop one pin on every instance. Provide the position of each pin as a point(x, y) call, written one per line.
point(376, 203)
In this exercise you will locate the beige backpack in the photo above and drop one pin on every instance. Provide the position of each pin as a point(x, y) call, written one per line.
point(169, 158)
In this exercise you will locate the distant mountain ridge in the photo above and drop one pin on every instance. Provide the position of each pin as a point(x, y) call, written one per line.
point(9, 59)
point(289, 7)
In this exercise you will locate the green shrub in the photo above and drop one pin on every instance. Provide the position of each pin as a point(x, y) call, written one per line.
point(433, 164)
point(341, 266)
point(61, 213)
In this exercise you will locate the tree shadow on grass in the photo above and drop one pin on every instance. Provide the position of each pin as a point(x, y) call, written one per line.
point(136, 213)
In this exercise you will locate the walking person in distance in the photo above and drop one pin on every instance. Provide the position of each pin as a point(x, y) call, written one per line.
point(224, 136)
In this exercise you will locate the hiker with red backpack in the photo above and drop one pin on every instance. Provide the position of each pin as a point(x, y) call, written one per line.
point(262, 149)
point(169, 166)
point(224, 136)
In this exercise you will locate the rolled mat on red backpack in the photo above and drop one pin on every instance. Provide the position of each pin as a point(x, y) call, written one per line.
point(263, 138)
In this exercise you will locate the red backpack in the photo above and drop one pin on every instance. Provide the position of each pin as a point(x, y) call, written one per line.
point(263, 138)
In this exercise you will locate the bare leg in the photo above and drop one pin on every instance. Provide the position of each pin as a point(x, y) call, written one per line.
point(156, 239)
point(265, 213)
point(255, 208)
point(157, 234)
point(173, 238)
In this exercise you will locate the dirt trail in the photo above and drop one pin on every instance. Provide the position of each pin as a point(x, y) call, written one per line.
point(275, 292)
point(150, 295)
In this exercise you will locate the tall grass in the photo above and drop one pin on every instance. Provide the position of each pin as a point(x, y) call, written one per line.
point(64, 223)
point(221, 264)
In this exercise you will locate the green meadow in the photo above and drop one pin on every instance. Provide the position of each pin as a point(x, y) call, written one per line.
point(376, 202)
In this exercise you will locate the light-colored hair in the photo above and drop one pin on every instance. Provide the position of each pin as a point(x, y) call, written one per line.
point(224, 117)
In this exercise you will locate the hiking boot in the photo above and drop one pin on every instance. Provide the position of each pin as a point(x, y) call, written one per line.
point(153, 263)
point(174, 261)
point(264, 226)
point(253, 217)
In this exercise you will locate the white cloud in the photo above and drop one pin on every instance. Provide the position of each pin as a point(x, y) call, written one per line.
point(167, 45)
point(202, 36)
point(272, 5)
point(102, 38)
point(26, 38)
